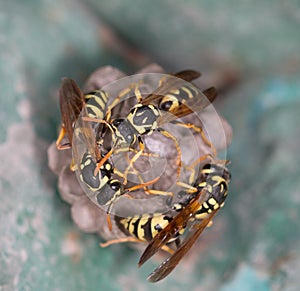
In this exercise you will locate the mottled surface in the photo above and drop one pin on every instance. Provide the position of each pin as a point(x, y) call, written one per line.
point(249, 49)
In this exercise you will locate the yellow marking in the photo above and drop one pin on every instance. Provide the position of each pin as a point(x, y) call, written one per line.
point(138, 94)
point(216, 206)
point(104, 95)
point(103, 181)
point(201, 216)
point(144, 120)
point(157, 220)
point(101, 103)
point(108, 167)
point(206, 171)
point(140, 230)
point(135, 113)
point(205, 205)
point(212, 201)
point(202, 184)
point(188, 92)
point(218, 179)
point(124, 91)
point(221, 188)
point(209, 211)
point(222, 204)
point(154, 125)
point(96, 112)
point(175, 91)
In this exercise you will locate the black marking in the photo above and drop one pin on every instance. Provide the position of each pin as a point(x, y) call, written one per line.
point(144, 116)
point(123, 224)
point(158, 227)
point(108, 192)
point(87, 172)
point(124, 130)
point(147, 228)
point(92, 97)
point(136, 227)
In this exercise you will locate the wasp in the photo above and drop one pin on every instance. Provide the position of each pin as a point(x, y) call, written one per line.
point(196, 209)
point(73, 102)
point(153, 111)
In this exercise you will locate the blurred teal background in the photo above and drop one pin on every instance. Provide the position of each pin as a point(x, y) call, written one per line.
point(249, 48)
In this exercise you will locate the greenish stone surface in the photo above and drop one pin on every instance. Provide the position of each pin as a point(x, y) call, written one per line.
point(254, 244)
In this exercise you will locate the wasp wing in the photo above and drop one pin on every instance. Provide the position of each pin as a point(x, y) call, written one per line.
point(84, 135)
point(200, 101)
point(168, 83)
point(188, 75)
point(71, 101)
point(178, 223)
point(167, 266)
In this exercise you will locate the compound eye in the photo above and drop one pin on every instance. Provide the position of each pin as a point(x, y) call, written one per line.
point(206, 167)
point(166, 105)
point(115, 185)
point(117, 122)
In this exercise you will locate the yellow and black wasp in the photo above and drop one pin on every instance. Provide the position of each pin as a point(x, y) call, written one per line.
point(73, 102)
point(173, 99)
point(196, 208)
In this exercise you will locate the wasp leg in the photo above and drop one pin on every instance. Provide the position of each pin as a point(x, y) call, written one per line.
point(137, 92)
point(61, 135)
point(136, 187)
point(120, 150)
point(159, 192)
point(190, 189)
point(109, 221)
point(192, 167)
point(149, 191)
point(119, 240)
point(135, 171)
point(102, 161)
point(169, 135)
point(134, 159)
point(199, 130)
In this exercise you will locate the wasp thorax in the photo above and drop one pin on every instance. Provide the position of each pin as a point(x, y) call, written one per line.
point(143, 118)
point(124, 132)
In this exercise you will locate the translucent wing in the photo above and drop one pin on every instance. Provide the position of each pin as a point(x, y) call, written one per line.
point(200, 101)
point(167, 266)
point(169, 83)
point(80, 133)
point(84, 135)
point(173, 228)
point(71, 101)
